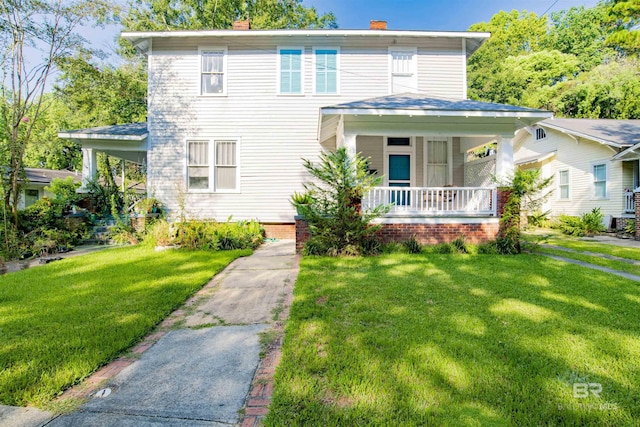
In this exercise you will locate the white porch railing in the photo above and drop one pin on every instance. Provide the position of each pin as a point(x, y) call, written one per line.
point(434, 201)
point(629, 202)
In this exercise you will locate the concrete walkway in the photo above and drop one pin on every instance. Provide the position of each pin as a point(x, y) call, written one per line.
point(198, 368)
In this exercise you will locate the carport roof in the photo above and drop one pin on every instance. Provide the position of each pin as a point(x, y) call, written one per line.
point(126, 132)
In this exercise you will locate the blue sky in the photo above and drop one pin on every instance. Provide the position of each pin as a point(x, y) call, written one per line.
point(441, 15)
point(454, 15)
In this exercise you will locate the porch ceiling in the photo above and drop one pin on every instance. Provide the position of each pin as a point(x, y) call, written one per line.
point(410, 114)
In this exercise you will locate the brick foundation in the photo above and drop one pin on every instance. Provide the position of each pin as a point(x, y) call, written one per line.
point(302, 233)
point(430, 234)
point(286, 230)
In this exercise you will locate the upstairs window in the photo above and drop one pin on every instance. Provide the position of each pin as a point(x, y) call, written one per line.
point(540, 134)
point(326, 75)
point(290, 70)
point(212, 71)
point(404, 75)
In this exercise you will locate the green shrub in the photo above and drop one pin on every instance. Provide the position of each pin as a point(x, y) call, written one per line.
point(412, 245)
point(588, 223)
point(630, 227)
point(488, 248)
point(218, 235)
point(592, 222)
point(538, 219)
point(460, 245)
point(337, 223)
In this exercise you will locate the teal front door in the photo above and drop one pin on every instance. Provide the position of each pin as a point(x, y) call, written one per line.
point(400, 176)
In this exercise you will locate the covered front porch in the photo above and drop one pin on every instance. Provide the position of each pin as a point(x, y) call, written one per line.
point(126, 142)
point(438, 158)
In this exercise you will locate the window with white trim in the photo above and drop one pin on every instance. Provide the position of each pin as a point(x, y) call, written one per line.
point(437, 162)
point(198, 169)
point(563, 185)
point(403, 70)
point(326, 72)
point(212, 165)
point(290, 71)
point(600, 180)
point(213, 65)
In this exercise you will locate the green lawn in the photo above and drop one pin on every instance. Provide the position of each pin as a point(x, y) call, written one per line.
point(619, 265)
point(588, 246)
point(458, 340)
point(61, 322)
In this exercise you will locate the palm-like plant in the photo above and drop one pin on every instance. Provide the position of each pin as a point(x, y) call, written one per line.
point(337, 222)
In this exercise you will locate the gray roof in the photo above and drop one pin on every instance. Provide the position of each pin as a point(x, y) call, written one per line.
point(413, 101)
point(126, 130)
point(607, 131)
point(45, 176)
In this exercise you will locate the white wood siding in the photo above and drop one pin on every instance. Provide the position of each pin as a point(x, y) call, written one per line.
point(275, 132)
point(578, 158)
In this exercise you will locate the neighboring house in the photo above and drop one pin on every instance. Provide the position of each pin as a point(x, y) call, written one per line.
point(35, 182)
point(233, 113)
point(594, 163)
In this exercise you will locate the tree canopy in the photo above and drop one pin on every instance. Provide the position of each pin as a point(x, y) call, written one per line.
point(579, 62)
point(163, 15)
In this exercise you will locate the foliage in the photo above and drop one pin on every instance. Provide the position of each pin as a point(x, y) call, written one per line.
point(527, 191)
point(582, 62)
point(396, 331)
point(64, 320)
point(298, 199)
point(212, 235)
point(45, 224)
point(160, 15)
point(588, 223)
point(100, 196)
point(537, 218)
point(630, 227)
point(412, 245)
point(337, 222)
point(34, 36)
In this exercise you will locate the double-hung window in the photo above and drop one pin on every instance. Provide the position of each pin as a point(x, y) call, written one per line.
point(290, 71)
point(326, 71)
point(213, 64)
point(403, 70)
point(600, 180)
point(212, 165)
point(563, 185)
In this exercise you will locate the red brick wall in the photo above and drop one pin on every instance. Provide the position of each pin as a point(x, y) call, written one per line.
point(302, 234)
point(430, 234)
point(280, 230)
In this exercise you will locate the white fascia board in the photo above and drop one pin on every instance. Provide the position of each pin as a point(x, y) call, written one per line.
point(134, 35)
point(631, 150)
point(68, 135)
point(461, 113)
point(583, 135)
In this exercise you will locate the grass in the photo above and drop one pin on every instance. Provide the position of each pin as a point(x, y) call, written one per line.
point(62, 321)
point(588, 246)
point(591, 259)
point(458, 340)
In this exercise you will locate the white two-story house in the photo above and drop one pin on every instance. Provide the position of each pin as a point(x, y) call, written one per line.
point(232, 113)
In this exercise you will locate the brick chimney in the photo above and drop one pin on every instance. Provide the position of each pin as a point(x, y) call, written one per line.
point(377, 25)
point(242, 25)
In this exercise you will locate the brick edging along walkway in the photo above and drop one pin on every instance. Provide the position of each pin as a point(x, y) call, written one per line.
point(261, 391)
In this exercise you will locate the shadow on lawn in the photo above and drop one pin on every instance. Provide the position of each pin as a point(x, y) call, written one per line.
point(62, 321)
point(458, 340)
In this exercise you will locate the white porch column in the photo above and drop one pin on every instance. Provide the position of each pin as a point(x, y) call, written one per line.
point(350, 144)
point(89, 165)
point(504, 158)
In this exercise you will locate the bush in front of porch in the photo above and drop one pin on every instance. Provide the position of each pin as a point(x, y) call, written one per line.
point(333, 205)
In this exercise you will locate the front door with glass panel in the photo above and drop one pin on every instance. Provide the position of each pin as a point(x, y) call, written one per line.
point(399, 169)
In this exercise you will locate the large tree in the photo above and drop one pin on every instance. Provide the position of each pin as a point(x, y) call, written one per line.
point(34, 36)
point(162, 15)
point(624, 16)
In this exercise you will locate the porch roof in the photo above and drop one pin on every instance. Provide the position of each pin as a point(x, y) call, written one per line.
point(413, 112)
point(535, 159)
point(126, 132)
